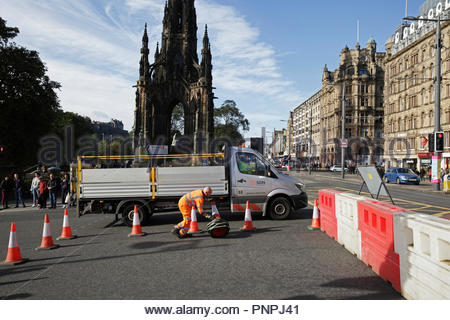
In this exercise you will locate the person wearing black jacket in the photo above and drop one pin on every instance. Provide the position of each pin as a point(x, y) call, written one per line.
point(5, 187)
point(52, 190)
point(65, 188)
point(18, 185)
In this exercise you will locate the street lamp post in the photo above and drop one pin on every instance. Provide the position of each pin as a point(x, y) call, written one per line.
point(437, 80)
point(343, 131)
point(310, 139)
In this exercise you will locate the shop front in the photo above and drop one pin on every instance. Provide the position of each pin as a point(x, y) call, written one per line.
point(425, 160)
point(410, 164)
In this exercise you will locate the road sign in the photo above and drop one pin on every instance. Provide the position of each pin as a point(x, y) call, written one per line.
point(344, 143)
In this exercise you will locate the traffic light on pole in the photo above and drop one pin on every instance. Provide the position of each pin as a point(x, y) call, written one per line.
point(430, 142)
point(439, 141)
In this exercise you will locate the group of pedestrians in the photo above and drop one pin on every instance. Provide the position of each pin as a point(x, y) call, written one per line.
point(42, 189)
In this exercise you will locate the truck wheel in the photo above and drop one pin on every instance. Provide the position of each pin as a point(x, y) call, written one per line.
point(128, 214)
point(280, 208)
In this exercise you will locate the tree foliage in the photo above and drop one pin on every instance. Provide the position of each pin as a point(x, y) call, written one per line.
point(29, 105)
point(229, 122)
point(28, 102)
point(177, 121)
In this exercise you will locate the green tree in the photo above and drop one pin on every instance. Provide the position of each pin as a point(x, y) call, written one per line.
point(177, 121)
point(229, 121)
point(29, 105)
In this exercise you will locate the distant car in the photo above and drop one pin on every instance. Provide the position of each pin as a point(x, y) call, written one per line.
point(338, 168)
point(401, 175)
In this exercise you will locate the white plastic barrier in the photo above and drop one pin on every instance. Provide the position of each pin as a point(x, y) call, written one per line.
point(423, 245)
point(347, 221)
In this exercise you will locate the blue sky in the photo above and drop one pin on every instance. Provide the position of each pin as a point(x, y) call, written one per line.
point(268, 55)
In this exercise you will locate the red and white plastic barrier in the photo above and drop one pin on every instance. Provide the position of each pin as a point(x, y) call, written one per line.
point(410, 250)
point(376, 224)
point(328, 222)
point(423, 244)
point(348, 233)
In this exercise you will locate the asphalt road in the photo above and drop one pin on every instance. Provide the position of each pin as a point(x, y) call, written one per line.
point(419, 198)
point(280, 260)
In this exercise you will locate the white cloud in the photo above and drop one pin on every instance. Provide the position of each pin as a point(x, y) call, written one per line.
point(92, 48)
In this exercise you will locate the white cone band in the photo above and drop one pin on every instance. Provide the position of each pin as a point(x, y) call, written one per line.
point(46, 232)
point(214, 209)
point(315, 213)
point(136, 221)
point(66, 221)
point(248, 215)
point(193, 215)
point(12, 240)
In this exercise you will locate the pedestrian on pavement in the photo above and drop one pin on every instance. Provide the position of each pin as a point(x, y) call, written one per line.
point(52, 186)
point(5, 187)
point(429, 174)
point(65, 188)
point(443, 174)
point(422, 174)
point(18, 185)
point(35, 188)
point(43, 193)
point(194, 199)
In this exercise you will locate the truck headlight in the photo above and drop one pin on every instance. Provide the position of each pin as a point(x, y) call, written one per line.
point(300, 186)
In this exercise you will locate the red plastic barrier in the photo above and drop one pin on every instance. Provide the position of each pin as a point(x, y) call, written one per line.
point(375, 221)
point(327, 208)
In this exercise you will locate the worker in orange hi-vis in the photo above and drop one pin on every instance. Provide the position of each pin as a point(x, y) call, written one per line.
point(194, 199)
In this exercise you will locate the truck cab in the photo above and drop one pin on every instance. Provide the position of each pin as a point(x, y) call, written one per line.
point(255, 180)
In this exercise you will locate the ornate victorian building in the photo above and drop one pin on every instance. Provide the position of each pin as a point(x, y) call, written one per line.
point(410, 91)
point(175, 78)
point(361, 75)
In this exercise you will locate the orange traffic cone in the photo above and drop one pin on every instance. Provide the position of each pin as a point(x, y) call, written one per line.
point(248, 223)
point(13, 256)
point(214, 210)
point(47, 240)
point(136, 231)
point(194, 225)
point(315, 225)
point(66, 233)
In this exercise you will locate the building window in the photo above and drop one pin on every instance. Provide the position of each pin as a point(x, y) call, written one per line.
point(363, 132)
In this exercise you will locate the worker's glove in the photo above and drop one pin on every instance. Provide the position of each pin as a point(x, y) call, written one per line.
point(208, 216)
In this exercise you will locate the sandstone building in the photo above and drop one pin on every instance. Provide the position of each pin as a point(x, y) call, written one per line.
point(410, 90)
point(361, 74)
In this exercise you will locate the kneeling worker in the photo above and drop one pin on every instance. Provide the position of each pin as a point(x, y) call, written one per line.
point(194, 199)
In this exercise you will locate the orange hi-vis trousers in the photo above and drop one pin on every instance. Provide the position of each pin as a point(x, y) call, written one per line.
point(190, 200)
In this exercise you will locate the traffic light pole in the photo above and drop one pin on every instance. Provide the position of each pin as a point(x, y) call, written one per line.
point(343, 131)
point(437, 104)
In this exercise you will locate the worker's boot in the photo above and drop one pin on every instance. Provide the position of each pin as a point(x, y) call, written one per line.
point(175, 232)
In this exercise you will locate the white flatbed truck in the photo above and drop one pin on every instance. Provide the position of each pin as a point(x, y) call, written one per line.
point(242, 175)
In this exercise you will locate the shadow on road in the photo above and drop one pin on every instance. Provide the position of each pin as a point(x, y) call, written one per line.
point(19, 296)
point(373, 283)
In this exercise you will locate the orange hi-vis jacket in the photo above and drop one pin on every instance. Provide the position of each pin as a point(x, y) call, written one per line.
point(194, 199)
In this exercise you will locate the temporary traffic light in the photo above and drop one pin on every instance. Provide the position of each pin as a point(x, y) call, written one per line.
point(439, 141)
point(431, 142)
